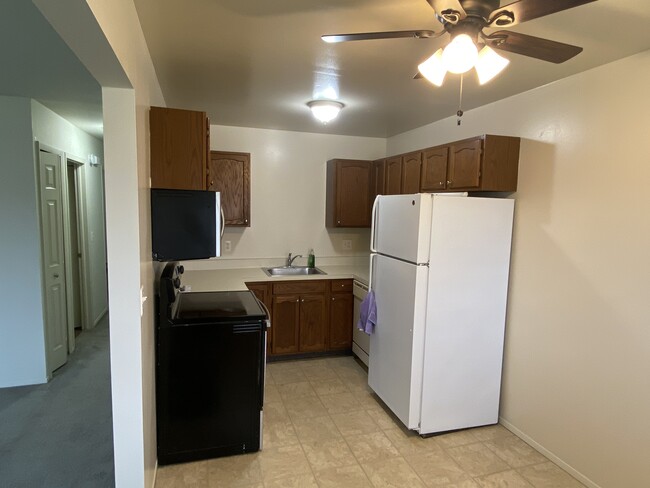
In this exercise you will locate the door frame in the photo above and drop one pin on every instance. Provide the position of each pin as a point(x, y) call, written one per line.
point(79, 168)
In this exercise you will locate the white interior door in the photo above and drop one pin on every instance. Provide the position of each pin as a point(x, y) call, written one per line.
point(50, 168)
point(397, 344)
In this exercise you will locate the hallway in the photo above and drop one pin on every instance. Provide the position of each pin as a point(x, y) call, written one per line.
point(59, 434)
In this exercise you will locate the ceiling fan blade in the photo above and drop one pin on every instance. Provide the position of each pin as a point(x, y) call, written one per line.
point(534, 47)
point(524, 10)
point(365, 36)
point(449, 10)
point(418, 76)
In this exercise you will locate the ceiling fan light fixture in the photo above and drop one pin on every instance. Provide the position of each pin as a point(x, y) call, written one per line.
point(433, 69)
point(325, 110)
point(489, 64)
point(460, 55)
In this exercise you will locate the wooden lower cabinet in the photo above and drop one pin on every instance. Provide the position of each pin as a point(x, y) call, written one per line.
point(313, 323)
point(307, 317)
point(341, 310)
point(285, 324)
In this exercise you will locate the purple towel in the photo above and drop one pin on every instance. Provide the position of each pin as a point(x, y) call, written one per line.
point(368, 314)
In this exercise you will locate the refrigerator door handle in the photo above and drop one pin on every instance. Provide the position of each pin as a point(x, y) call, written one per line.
point(373, 225)
point(372, 259)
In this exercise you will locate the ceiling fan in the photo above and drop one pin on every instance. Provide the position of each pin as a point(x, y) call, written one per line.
point(465, 20)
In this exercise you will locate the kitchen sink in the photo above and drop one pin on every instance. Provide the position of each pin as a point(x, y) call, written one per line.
point(293, 271)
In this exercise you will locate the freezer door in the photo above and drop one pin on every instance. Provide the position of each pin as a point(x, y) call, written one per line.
point(401, 226)
point(397, 345)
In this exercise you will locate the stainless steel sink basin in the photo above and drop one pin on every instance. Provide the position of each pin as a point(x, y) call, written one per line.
point(293, 271)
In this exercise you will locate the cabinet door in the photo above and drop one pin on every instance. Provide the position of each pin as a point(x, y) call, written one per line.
point(229, 173)
point(411, 166)
point(434, 168)
point(285, 324)
point(341, 308)
point(178, 143)
point(313, 323)
point(465, 165)
point(394, 175)
point(353, 194)
point(378, 178)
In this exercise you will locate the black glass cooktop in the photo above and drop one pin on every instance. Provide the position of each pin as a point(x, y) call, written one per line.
point(219, 306)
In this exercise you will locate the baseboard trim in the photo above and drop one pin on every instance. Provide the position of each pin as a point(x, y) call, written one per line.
point(542, 450)
point(100, 317)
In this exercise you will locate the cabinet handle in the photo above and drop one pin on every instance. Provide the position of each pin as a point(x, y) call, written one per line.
point(212, 183)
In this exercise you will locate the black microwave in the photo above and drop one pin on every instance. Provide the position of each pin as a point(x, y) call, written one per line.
point(185, 224)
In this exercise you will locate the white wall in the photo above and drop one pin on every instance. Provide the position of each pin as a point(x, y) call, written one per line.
point(288, 193)
point(22, 340)
point(577, 357)
point(56, 132)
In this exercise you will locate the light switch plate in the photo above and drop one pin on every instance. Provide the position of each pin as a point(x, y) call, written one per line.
point(227, 246)
point(347, 244)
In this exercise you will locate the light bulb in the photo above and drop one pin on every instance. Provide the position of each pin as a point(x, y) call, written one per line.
point(325, 110)
point(433, 69)
point(460, 55)
point(489, 64)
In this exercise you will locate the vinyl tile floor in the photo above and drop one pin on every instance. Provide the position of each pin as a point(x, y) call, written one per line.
point(323, 427)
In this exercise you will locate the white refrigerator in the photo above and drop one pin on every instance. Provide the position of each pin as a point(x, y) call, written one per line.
point(439, 269)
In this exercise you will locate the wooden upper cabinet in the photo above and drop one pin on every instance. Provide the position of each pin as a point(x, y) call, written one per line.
point(411, 167)
point(179, 141)
point(348, 193)
point(229, 174)
point(486, 163)
point(393, 175)
point(378, 178)
point(434, 168)
point(464, 170)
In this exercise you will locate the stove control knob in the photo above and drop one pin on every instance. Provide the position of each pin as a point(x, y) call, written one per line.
point(181, 269)
point(177, 282)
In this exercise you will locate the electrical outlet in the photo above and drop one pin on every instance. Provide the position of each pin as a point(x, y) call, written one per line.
point(227, 246)
point(347, 244)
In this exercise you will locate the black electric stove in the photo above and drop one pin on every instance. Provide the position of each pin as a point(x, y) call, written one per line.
point(210, 364)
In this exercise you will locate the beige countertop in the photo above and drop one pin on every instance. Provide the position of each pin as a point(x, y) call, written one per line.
point(236, 279)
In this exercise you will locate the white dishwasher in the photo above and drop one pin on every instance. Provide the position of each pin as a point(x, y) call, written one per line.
point(360, 340)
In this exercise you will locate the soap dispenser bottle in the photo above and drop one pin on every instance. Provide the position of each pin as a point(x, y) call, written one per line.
point(311, 259)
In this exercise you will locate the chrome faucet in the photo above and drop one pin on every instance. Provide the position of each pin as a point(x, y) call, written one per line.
point(290, 259)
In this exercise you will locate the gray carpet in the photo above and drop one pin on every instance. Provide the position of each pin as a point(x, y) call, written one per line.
point(59, 435)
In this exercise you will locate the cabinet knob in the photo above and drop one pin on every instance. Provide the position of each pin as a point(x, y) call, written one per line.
point(212, 183)
point(333, 298)
point(338, 221)
point(441, 183)
point(303, 300)
point(449, 182)
point(246, 221)
point(297, 300)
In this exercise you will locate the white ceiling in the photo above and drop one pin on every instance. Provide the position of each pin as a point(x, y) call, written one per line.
point(36, 63)
point(255, 63)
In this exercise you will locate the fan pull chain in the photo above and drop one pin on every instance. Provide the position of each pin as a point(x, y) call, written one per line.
point(460, 101)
